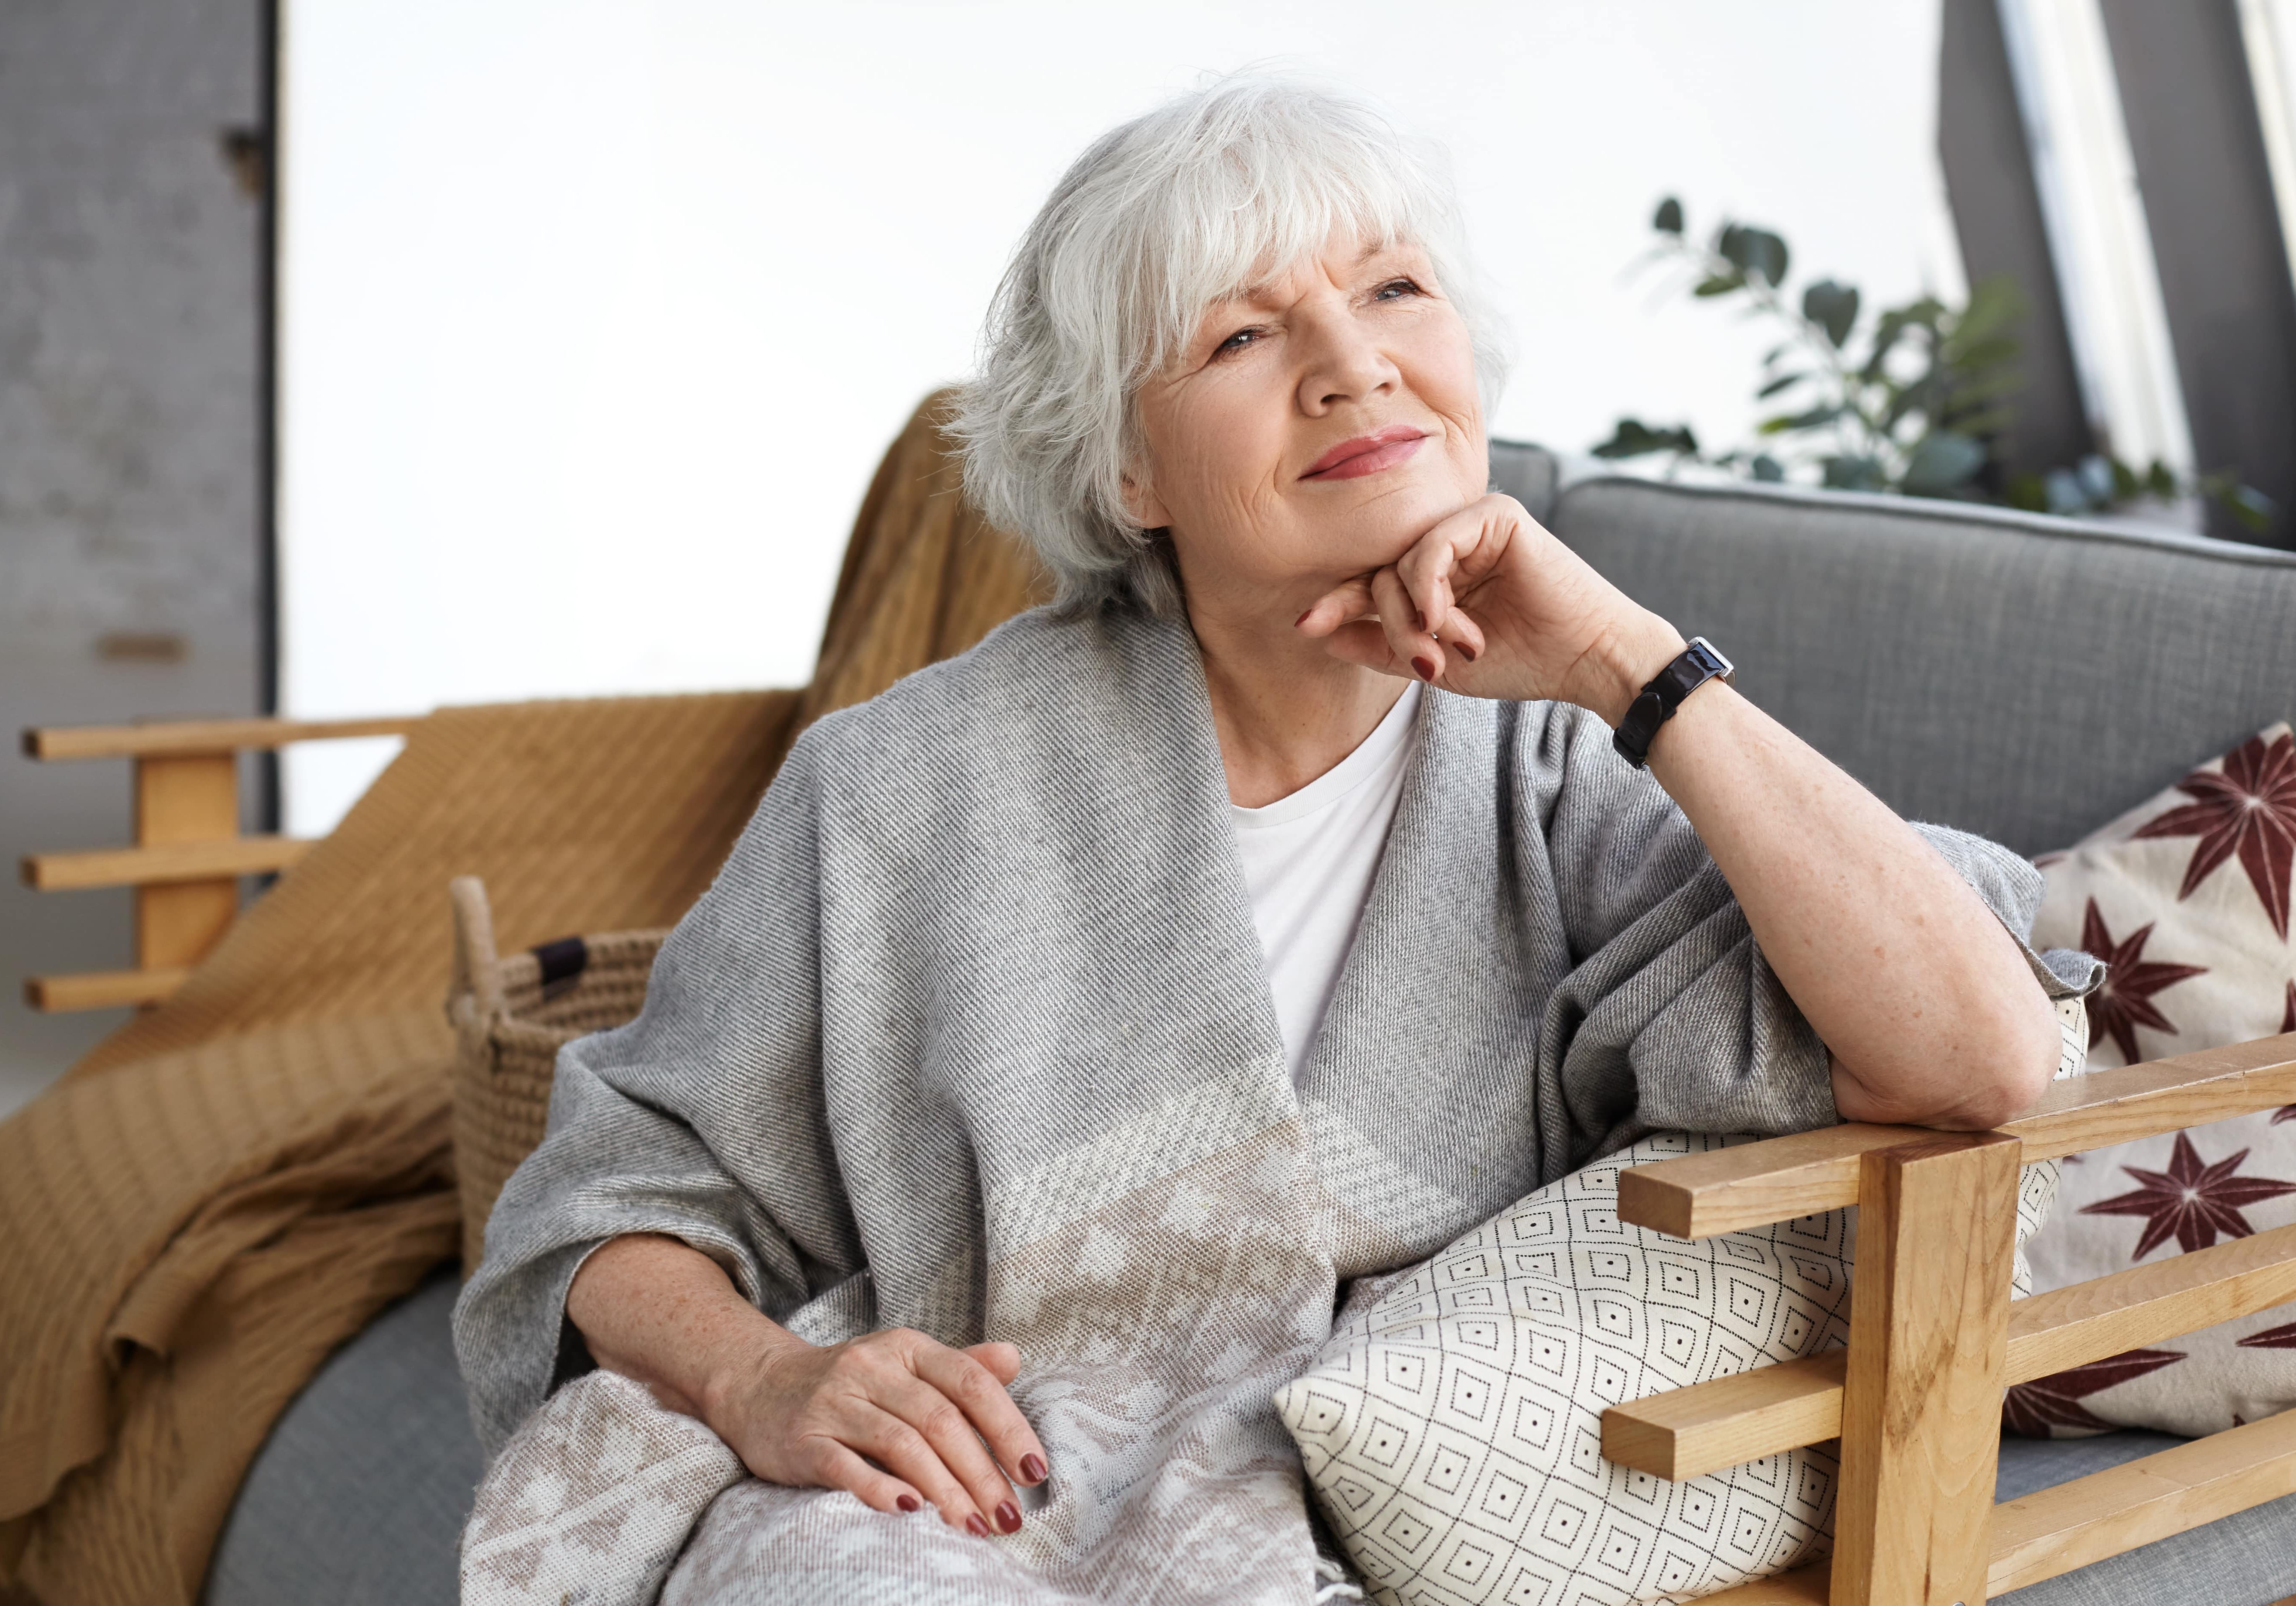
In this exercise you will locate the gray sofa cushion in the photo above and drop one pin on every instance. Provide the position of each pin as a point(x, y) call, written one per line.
point(359, 1496)
point(2025, 678)
point(1532, 475)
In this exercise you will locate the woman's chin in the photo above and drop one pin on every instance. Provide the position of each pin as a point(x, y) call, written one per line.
point(1379, 531)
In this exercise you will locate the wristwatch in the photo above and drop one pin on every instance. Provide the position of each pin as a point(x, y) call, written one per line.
point(1698, 664)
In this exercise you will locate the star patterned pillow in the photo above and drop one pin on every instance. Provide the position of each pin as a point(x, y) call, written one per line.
point(2186, 899)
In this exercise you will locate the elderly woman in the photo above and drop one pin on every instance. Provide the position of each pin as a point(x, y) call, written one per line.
point(1337, 860)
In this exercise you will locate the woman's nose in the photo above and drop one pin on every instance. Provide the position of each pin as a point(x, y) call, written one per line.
point(1343, 364)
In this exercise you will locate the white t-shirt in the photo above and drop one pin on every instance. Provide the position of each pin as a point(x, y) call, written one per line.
point(1309, 860)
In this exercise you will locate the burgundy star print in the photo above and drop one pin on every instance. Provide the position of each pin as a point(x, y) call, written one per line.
point(2032, 1410)
point(2124, 1001)
point(2250, 809)
point(2191, 1202)
point(2271, 1337)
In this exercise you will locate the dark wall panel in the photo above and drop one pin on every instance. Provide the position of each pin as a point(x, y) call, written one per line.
point(1996, 212)
point(2193, 130)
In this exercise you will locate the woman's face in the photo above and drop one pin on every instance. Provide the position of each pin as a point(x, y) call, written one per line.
point(1313, 429)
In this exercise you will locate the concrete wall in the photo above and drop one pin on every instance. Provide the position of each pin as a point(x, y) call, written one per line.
point(129, 430)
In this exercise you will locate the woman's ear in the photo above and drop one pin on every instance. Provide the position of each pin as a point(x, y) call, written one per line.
point(1142, 505)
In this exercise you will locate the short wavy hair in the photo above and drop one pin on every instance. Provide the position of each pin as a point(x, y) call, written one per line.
point(1158, 219)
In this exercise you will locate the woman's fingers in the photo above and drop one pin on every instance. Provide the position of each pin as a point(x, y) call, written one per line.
point(1458, 555)
point(965, 1378)
point(1425, 574)
point(1381, 621)
point(1342, 605)
point(836, 1467)
point(1461, 633)
point(886, 1438)
point(1406, 637)
point(1002, 1359)
point(1365, 643)
point(947, 1429)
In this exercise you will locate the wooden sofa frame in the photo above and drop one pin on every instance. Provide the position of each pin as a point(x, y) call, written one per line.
point(189, 854)
point(1934, 1340)
point(1915, 1398)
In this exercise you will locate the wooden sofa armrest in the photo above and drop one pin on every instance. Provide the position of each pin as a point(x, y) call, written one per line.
point(162, 738)
point(189, 854)
point(1755, 1184)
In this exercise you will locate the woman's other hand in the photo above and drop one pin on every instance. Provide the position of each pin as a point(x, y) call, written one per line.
point(1488, 603)
point(897, 1419)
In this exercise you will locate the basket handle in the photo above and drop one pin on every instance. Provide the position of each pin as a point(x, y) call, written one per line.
point(476, 970)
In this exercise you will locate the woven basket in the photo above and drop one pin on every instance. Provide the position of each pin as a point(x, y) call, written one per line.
point(512, 1014)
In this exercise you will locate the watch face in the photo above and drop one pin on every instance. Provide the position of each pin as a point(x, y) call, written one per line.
point(1704, 654)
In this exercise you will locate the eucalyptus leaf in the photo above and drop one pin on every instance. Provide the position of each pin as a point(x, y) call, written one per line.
point(1668, 220)
point(1757, 253)
point(1854, 473)
point(2064, 491)
point(2251, 507)
point(1833, 307)
point(1719, 285)
point(1941, 464)
point(1767, 469)
point(1812, 419)
point(1778, 384)
point(1632, 437)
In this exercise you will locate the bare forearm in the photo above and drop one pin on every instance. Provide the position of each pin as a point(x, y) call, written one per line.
point(1929, 1008)
point(662, 1313)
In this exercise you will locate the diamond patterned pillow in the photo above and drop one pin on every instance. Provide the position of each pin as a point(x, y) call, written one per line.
point(1452, 1429)
point(2186, 899)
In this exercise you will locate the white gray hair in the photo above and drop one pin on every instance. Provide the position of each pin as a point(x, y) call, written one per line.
point(1158, 220)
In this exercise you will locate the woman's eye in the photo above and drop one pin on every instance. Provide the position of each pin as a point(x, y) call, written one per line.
point(1236, 342)
point(1394, 290)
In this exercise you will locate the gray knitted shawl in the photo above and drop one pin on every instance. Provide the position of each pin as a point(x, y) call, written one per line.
point(970, 1036)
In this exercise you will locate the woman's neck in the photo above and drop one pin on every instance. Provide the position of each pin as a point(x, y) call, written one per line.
point(1284, 710)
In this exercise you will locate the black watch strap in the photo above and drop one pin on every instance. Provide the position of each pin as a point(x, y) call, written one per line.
point(1698, 664)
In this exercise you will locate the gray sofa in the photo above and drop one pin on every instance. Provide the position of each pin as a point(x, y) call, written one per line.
point(2021, 677)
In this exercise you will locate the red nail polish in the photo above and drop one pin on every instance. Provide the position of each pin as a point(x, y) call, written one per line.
point(1463, 651)
point(910, 1504)
point(974, 1526)
point(1033, 1467)
point(1301, 619)
point(1426, 668)
point(1008, 1516)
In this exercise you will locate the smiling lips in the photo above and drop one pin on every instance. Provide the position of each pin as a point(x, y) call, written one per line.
point(1367, 453)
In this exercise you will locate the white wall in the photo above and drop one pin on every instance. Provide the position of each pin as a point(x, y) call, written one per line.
point(598, 313)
